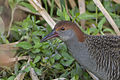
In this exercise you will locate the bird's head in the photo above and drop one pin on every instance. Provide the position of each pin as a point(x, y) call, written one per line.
point(65, 30)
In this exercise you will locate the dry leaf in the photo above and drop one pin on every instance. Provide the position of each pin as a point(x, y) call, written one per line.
point(2, 26)
point(117, 1)
point(7, 51)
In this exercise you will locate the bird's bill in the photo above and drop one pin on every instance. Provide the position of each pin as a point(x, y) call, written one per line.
point(49, 36)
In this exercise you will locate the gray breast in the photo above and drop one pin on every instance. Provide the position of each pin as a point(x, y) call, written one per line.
point(80, 52)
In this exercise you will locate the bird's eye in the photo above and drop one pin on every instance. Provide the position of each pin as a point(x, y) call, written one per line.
point(62, 28)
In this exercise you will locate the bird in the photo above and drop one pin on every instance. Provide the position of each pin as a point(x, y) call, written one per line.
point(99, 54)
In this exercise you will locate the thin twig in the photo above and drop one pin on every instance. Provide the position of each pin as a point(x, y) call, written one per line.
point(20, 76)
point(81, 4)
point(92, 75)
point(40, 2)
point(10, 60)
point(106, 14)
point(49, 3)
point(33, 74)
point(68, 10)
point(27, 10)
point(82, 10)
point(11, 21)
point(72, 3)
point(58, 3)
point(43, 12)
point(117, 1)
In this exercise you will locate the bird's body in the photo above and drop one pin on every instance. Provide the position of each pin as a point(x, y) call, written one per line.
point(98, 54)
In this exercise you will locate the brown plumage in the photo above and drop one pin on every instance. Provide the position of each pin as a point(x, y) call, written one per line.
point(98, 54)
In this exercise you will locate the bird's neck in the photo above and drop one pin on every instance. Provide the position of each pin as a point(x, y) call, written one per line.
point(79, 34)
point(80, 52)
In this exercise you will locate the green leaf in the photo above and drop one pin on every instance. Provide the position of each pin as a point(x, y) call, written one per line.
point(76, 77)
point(38, 21)
point(47, 52)
point(100, 24)
point(94, 31)
point(91, 6)
point(11, 78)
point(108, 30)
point(86, 16)
point(62, 47)
point(52, 60)
point(12, 3)
point(78, 69)
point(88, 31)
point(36, 41)
point(107, 4)
point(57, 56)
point(32, 64)
point(66, 62)
point(66, 56)
point(62, 3)
point(27, 23)
point(45, 59)
point(35, 50)
point(58, 66)
point(76, 16)
point(65, 14)
point(27, 69)
point(29, 6)
point(38, 71)
point(52, 7)
point(117, 20)
point(24, 45)
point(65, 74)
point(46, 6)
point(37, 58)
point(4, 39)
point(45, 45)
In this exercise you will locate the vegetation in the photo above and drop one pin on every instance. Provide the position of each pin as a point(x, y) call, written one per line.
point(48, 60)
